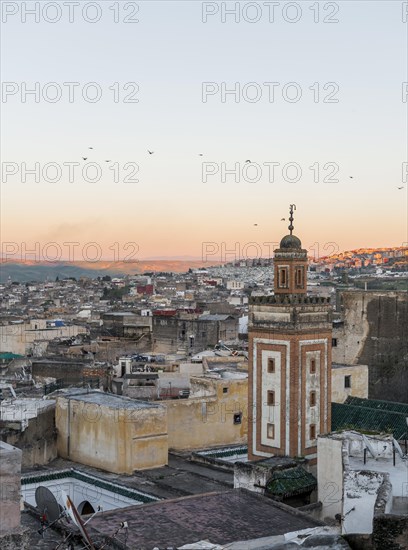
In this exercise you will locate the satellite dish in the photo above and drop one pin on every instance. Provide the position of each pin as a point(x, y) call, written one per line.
point(47, 503)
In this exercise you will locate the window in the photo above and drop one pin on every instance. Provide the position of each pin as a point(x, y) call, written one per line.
point(271, 398)
point(313, 366)
point(312, 398)
point(347, 381)
point(334, 342)
point(270, 431)
point(224, 390)
point(283, 278)
point(271, 365)
point(299, 277)
point(312, 431)
point(237, 418)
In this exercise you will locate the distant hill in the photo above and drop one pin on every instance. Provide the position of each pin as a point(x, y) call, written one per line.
point(380, 252)
point(25, 271)
point(29, 270)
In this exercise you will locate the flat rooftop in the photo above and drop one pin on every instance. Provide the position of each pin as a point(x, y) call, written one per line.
point(110, 400)
point(221, 518)
point(398, 473)
point(120, 313)
point(180, 478)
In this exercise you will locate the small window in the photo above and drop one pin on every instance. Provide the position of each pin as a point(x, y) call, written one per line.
point(312, 431)
point(270, 428)
point(271, 365)
point(237, 418)
point(347, 381)
point(224, 390)
point(271, 398)
point(283, 280)
point(313, 366)
point(299, 277)
point(334, 342)
point(312, 398)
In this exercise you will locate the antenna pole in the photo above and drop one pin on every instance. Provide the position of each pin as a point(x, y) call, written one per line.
point(290, 227)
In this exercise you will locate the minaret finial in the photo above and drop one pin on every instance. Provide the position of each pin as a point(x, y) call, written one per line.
point(290, 227)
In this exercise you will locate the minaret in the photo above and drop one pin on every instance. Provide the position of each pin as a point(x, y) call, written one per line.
point(289, 361)
point(290, 264)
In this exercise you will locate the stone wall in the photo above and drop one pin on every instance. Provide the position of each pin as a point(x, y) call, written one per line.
point(38, 441)
point(20, 338)
point(390, 531)
point(375, 333)
point(16, 541)
point(10, 485)
point(171, 333)
point(112, 349)
point(71, 371)
point(165, 334)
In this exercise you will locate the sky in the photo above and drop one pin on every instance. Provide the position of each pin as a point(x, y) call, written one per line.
point(311, 93)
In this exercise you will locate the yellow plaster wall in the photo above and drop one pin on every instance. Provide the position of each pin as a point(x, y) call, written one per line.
point(115, 440)
point(207, 421)
point(359, 382)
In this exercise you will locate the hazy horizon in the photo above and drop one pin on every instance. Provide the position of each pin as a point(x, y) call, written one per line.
point(220, 255)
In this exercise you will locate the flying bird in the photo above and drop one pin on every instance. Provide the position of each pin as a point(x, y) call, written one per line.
point(283, 219)
point(400, 187)
point(150, 152)
point(90, 147)
point(247, 161)
point(108, 161)
point(200, 154)
point(256, 224)
point(351, 177)
point(85, 158)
